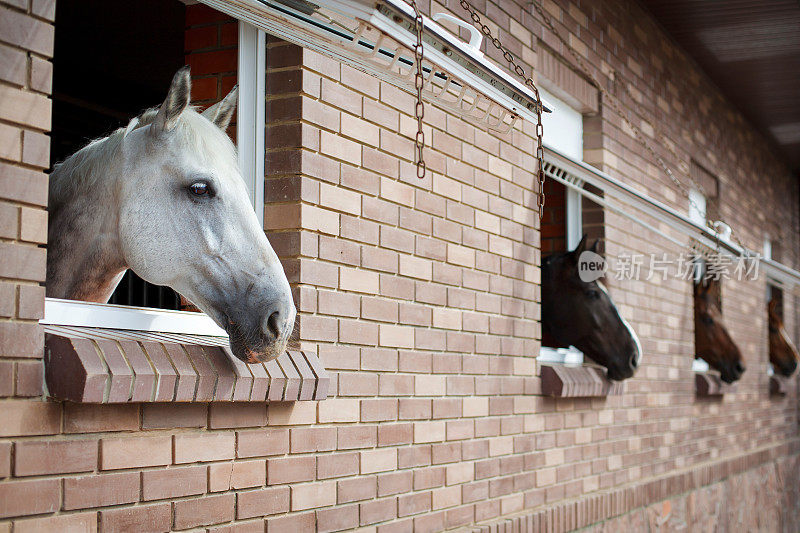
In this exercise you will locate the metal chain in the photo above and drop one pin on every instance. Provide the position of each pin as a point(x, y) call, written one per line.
point(508, 56)
point(419, 83)
point(617, 108)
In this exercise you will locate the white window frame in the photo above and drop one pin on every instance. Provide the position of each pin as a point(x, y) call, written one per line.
point(250, 131)
point(698, 213)
point(566, 135)
point(698, 207)
point(251, 118)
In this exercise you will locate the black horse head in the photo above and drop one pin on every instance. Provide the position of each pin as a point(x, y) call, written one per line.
point(712, 342)
point(581, 313)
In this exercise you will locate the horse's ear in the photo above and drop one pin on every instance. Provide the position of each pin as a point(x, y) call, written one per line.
point(581, 246)
point(772, 306)
point(180, 91)
point(699, 287)
point(595, 245)
point(221, 113)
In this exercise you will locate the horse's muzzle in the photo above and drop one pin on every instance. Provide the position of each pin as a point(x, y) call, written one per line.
point(259, 341)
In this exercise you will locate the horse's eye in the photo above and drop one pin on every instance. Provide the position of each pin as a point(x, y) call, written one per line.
point(199, 188)
point(707, 320)
point(592, 294)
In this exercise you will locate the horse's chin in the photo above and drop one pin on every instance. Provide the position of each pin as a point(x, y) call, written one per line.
point(259, 354)
point(619, 375)
point(729, 375)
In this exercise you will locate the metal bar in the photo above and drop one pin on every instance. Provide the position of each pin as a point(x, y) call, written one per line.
point(782, 274)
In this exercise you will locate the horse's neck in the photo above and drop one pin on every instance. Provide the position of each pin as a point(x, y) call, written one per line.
point(84, 261)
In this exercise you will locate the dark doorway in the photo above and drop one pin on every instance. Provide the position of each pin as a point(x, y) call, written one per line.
point(113, 60)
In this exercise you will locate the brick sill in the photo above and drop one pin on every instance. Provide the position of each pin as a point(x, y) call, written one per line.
point(778, 385)
point(93, 365)
point(709, 384)
point(566, 381)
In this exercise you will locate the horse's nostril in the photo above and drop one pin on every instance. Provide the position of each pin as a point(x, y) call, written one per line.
point(739, 368)
point(273, 325)
point(634, 361)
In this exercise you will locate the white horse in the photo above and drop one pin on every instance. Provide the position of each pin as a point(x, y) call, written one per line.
point(165, 197)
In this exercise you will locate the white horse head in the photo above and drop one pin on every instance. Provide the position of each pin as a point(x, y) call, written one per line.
point(165, 198)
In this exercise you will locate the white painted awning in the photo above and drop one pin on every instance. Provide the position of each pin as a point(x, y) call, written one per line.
point(378, 37)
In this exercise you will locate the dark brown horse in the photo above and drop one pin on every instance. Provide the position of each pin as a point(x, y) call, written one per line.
point(581, 313)
point(782, 352)
point(712, 342)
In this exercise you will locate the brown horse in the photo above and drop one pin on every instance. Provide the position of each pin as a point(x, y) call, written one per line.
point(712, 341)
point(580, 313)
point(782, 352)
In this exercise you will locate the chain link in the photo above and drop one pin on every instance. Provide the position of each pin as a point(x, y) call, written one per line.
point(617, 108)
point(509, 57)
point(419, 83)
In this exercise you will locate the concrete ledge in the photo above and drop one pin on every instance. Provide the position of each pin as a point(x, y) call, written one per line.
point(564, 381)
point(92, 365)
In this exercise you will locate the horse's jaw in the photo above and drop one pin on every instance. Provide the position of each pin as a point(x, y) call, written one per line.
point(83, 258)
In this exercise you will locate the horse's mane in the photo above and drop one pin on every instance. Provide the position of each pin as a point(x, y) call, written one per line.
point(80, 171)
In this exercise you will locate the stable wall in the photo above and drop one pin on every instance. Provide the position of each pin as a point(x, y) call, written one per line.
point(421, 299)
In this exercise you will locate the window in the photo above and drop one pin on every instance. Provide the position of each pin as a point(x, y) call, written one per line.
point(568, 215)
point(774, 293)
point(128, 73)
point(143, 349)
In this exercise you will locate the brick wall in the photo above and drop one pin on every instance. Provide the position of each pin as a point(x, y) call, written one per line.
point(26, 45)
point(421, 298)
point(554, 221)
point(211, 43)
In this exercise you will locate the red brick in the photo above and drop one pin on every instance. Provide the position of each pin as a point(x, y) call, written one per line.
point(235, 415)
point(154, 518)
point(236, 475)
point(26, 32)
point(354, 489)
point(13, 65)
point(394, 483)
point(101, 490)
point(312, 495)
point(174, 415)
point(30, 378)
point(290, 470)
point(413, 503)
point(9, 215)
point(135, 452)
point(292, 523)
point(31, 302)
point(21, 498)
point(204, 447)
point(68, 522)
point(337, 518)
point(33, 458)
point(337, 465)
point(262, 442)
point(204, 511)
point(378, 511)
point(33, 224)
point(80, 418)
point(8, 295)
point(262, 502)
point(7, 378)
point(29, 417)
point(173, 482)
point(21, 339)
point(5, 459)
